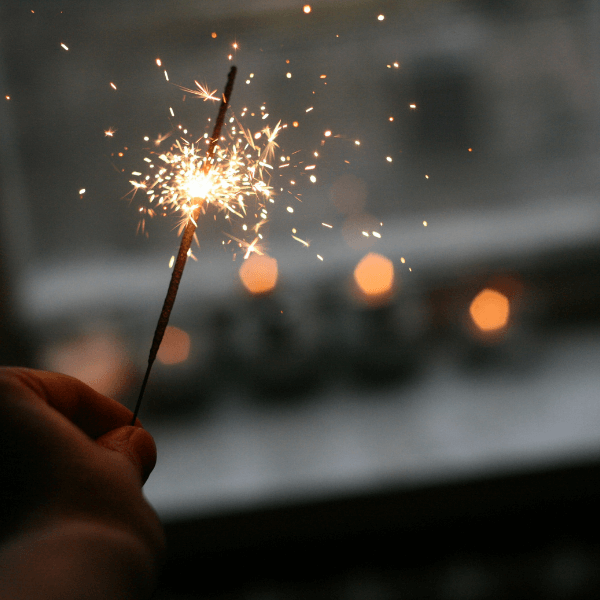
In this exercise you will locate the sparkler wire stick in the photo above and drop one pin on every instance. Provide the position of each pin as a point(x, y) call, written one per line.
point(186, 242)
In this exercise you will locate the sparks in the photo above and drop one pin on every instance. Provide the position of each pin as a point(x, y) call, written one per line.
point(235, 181)
point(64, 47)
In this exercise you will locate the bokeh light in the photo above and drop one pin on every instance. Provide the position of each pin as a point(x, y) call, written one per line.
point(490, 310)
point(98, 359)
point(175, 346)
point(259, 274)
point(374, 277)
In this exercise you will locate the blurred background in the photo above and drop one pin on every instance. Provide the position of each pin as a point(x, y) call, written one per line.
point(404, 404)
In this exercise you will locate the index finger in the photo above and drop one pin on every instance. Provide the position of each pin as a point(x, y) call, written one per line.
point(94, 413)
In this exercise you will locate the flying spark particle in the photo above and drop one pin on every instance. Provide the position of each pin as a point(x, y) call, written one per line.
point(171, 111)
point(319, 257)
point(290, 209)
point(82, 191)
point(251, 75)
point(357, 142)
point(166, 75)
point(309, 109)
point(288, 75)
point(323, 77)
point(327, 133)
point(307, 8)
point(110, 132)
point(213, 35)
point(295, 124)
point(376, 234)
point(7, 97)
point(64, 46)
point(327, 225)
point(402, 260)
point(426, 176)
point(158, 62)
point(412, 106)
point(380, 17)
point(171, 262)
point(309, 167)
point(396, 65)
point(424, 223)
point(113, 86)
point(235, 45)
point(391, 118)
point(388, 158)
point(313, 178)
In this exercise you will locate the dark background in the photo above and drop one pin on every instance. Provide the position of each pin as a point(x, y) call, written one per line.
point(313, 446)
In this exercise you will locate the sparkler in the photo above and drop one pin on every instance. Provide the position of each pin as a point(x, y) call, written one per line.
point(186, 240)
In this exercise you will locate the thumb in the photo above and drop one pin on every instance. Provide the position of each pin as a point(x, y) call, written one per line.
point(136, 444)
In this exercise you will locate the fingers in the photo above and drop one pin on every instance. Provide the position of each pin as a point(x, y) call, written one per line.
point(134, 443)
point(89, 410)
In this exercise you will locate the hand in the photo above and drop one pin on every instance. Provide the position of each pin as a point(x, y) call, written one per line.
point(71, 472)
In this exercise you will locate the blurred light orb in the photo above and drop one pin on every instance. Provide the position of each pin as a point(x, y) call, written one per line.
point(175, 346)
point(306, 8)
point(374, 276)
point(100, 360)
point(490, 310)
point(259, 274)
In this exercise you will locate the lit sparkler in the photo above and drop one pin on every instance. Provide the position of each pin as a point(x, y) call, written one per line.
point(193, 180)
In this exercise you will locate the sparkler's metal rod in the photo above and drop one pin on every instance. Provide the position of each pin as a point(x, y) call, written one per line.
point(186, 242)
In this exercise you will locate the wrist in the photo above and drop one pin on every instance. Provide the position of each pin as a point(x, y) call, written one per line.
point(77, 559)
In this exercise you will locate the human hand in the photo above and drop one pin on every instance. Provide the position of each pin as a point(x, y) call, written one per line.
point(72, 469)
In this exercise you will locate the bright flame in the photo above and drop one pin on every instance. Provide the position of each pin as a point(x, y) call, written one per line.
point(199, 186)
point(306, 8)
point(259, 274)
point(490, 310)
point(374, 276)
point(236, 181)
